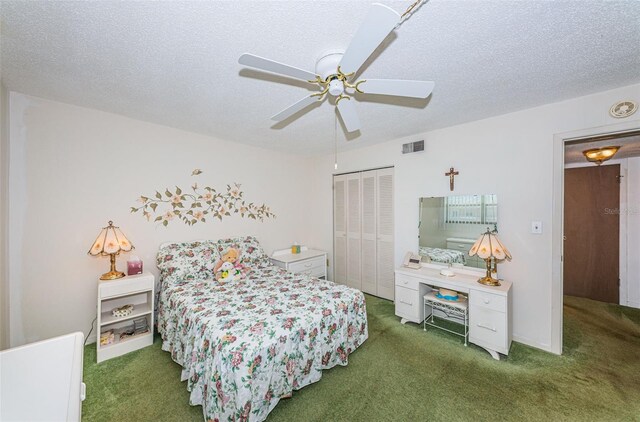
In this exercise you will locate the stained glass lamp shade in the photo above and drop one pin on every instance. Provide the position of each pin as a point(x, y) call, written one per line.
point(111, 241)
point(489, 247)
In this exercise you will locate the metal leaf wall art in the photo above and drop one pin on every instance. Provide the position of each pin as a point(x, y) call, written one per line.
point(199, 205)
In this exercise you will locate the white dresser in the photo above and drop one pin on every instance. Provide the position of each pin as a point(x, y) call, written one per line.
point(489, 307)
point(309, 261)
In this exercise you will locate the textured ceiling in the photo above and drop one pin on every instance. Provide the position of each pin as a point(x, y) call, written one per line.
point(175, 63)
point(629, 147)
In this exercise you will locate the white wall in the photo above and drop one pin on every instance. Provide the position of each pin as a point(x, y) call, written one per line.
point(4, 179)
point(509, 155)
point(633, 232)
point(73, 169)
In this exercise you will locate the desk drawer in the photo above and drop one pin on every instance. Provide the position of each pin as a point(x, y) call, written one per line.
point(488, 328)
point(408, 304)
point(308, 265)
point(314, 272)
point(407, 282)
point(488, 300)
point(126, 286)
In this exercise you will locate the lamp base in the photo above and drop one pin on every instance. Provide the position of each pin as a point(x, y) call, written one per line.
point(488, 281)
point(112, 275)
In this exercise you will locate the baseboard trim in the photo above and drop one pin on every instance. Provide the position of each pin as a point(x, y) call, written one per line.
point(527, 341)
point(632, 304)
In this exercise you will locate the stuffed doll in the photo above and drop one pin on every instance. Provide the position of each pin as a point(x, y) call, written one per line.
point(232, 255)
point(227, 273)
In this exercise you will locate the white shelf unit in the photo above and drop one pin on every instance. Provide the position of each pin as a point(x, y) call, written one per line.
point(137, 290)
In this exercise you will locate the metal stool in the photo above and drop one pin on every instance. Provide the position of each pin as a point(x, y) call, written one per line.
point(452, 309)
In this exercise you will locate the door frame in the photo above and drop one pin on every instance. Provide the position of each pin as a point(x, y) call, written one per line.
point(557, 223)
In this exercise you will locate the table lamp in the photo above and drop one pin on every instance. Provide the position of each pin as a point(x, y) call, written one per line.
point(489, 247)
point(111, 242)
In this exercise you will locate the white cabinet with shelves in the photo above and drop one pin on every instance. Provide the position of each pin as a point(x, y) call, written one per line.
point(134, 290)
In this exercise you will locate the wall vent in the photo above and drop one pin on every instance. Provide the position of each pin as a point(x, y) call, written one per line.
point(623, 109)
point(416, 146)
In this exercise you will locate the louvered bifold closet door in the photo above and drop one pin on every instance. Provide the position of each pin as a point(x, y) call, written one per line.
point(353, 231)
point(384, 246)
point(340, 229)
point(368, 255)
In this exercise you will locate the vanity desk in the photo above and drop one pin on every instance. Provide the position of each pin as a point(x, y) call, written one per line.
point(489, 306)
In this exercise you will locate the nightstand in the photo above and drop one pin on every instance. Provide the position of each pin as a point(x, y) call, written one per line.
point(136, 290)
point(309, 261)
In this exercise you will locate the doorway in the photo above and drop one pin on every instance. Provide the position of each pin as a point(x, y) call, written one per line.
point(629, 293)
point(592, 232)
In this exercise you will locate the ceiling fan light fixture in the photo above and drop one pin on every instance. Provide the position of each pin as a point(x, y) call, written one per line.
point(600, 155)
point(336, 87)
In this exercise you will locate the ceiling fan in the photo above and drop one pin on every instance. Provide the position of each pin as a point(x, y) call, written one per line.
point(335, 69)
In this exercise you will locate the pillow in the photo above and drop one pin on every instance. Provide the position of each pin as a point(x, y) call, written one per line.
point(251, 253)
point(188, 260)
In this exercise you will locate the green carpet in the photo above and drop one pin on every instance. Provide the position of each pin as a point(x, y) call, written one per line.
point(402, 373)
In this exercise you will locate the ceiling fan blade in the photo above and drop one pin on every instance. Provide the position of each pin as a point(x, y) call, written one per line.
point(379, 22)
point(397, 87)
point(294, 108)
point(261, 63)
point(349, 115)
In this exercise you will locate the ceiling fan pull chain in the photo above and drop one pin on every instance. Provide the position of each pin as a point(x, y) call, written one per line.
point(335, 140)
point(410, 11)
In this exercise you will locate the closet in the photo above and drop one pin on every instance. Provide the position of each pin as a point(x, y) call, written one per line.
point(363, 231)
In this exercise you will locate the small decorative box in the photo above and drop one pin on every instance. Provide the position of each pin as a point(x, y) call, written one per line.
point(122, 311)
point(134, 266)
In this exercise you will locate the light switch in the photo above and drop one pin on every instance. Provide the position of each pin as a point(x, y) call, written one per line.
point(536, 227)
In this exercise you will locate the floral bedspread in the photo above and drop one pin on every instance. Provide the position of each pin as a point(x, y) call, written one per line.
point(245, 345)
point(447, 256)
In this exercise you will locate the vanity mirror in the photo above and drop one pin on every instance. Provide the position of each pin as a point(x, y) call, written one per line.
point(450, 225)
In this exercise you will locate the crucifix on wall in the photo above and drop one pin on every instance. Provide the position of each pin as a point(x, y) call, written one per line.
point(452, 174)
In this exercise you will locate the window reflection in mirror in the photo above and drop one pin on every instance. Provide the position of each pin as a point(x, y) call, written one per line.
point(450, 225)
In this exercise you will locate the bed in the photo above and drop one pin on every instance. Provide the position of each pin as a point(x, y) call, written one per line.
point(446, 256)
point(245, 345)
